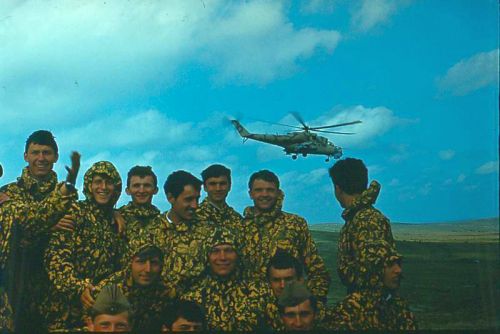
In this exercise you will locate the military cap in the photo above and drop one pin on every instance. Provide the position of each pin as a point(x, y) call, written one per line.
point(294, 293)
point(110, 300)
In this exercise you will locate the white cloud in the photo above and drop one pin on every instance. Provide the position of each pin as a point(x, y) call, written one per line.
point(318, 6)
point(394, 182)
point(461, 178)
point(446, 154)
point(470, 74)
point(488, 168)
point(401, 153)
point(368, 14)
point(425, 189)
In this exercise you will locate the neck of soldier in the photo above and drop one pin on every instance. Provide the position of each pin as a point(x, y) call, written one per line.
point(346, 200)
point(218, 204)
point(176, 219)
point(41, 178)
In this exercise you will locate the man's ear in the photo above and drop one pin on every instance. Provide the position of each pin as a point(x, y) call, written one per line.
point(156, 191)
point(170, 198)
point(127, 191)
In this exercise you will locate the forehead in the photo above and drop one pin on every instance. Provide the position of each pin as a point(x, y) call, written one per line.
point(218, 179)
point(117, 318)
point(278, 273)
point(222, 247)
point(141, 179)
point(261, 184)
point(189, 191)
point(100, 177)
point(183, 321)
point(38, 147)
point(304, 306)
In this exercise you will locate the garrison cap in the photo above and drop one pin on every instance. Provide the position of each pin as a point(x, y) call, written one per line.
point(294, 293)
point(110, 300)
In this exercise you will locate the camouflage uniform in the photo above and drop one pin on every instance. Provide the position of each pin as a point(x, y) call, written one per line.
point(225, 216)
point(26, 277)
point(363, 224)
point(138, 217)
point(147, 302)
point(266, 232)
point(372, 306)
point(185, 247)
point(85, 256)
point(26, 218)
point(232, 303)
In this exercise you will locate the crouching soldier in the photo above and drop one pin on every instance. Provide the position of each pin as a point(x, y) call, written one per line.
point(141, 283)
point(111, 312)
point(231, 303)
point(375, 305)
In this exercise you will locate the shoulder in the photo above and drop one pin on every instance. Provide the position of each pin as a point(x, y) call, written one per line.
point(291, 218)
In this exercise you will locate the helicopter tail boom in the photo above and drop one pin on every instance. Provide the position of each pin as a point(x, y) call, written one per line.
point(241, 130)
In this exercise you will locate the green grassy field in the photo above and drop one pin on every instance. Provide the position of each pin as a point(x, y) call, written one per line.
point(451, 281)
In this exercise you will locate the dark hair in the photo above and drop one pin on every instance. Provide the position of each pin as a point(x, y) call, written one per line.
point(284, 260)
point(141, 171)
point(265, 175)
point(186, 309)
point(149, 253)
point(41, 137)
point(312, 299)
point(216, 171)
point(350, 175)
point(176, 182)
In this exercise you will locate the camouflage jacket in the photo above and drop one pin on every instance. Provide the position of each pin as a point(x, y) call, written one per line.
point(235, 305)
point(267, 232)
point(138, 217)
point(76, 259)
point(364, 224)
point(17, 214)
point(185, 247)
point(225, 216)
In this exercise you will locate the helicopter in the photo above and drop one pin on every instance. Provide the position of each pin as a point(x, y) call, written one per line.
point(302, 142)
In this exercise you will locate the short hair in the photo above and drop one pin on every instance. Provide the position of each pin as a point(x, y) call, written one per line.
point(284, 260)
point(186, 309)
point(41, 137)
point(176, 182)
point(265, 175)
point(141, 171)
point(149, 253)
point(312, 299)
point(350, 175)
point(216, 171)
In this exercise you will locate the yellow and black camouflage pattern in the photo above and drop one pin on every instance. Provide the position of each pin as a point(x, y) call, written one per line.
point(225, 216)
point(266, 233)
point(363, 224)
point(185, 245)
point(372, 306)
point(85, 256)
point(138, 218)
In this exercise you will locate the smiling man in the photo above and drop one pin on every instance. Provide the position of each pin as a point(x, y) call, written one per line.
point(139, 213)
point(76, 261)
point(269, 229)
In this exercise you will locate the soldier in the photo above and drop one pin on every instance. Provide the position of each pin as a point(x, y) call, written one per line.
point(25, 274)
point(140, 282)
point(363, 224)
point(77, 261)
point(376, 304)
point(183, 316)
point(282, 270)
point(298, 308)
point(140, 212)
point(179, 234)
point(111, 312)
point(231, 303)
point(268, 228)
point(27, 217)
point(217, 184)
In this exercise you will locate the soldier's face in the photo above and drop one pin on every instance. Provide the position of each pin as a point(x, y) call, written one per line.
point(264, 195)
point(183, 325)
point(145, 271)
point(102, 189)
point(142, 189)
point(298, 318)
point(185, 205)
point(217, 188)
point(392, 275)
point(110, 323)
point(278, 278)
point(40, 159)
point(222, 260)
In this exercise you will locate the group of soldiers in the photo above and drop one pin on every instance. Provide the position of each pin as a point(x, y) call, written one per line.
point(70, 265)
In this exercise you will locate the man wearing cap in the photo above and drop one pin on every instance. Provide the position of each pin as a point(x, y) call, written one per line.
point(140, 212)
point(76, 261)
point(268, 228)
point(111, 311)
point(140, 282)
point(231, 303)
point(26, 279)
point(298, 307)
point(182, 237)
point(376, 304)
point(363, 223)
point(283, 269)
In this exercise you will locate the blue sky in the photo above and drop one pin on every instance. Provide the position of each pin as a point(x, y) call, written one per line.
point(152, 82)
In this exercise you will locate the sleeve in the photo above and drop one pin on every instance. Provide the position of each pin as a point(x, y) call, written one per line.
point(59, 261)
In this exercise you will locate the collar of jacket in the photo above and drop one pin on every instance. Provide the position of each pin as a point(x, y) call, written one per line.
point(265, 217)
point(34, 186)
point(181, 226)
point(140, 211)
point(367, 198)
point(101, 213)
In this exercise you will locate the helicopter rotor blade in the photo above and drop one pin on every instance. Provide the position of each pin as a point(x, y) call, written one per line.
point(335, 125)
point(335, 132)
point(300, 119)
point(280, 124)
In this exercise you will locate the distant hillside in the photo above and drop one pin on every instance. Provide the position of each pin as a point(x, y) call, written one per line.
point(481, 230)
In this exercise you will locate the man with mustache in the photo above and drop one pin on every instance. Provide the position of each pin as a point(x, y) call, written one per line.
point(26, 278)
point(269, 229)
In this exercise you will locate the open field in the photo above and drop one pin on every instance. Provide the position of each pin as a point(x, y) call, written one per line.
point(451, 281)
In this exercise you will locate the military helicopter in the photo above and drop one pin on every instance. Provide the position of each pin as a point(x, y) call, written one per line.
point(302, 142)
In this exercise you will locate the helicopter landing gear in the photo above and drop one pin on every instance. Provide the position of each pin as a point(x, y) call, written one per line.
point(327, 159)
point(294, 157)
point(304, 155)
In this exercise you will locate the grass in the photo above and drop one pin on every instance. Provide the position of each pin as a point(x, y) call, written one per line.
point(449, 284)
